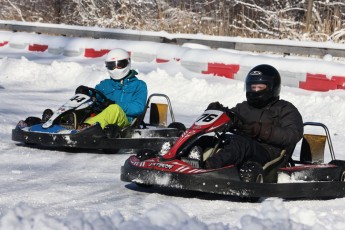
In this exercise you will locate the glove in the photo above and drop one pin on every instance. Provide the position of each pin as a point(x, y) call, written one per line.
point(262, 131)
point(216, 106)
point(82, 89)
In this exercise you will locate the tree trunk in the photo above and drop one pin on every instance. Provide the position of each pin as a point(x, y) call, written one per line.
point(309, 15)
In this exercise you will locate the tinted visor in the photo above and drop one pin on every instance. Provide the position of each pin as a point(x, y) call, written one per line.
point(120, 64)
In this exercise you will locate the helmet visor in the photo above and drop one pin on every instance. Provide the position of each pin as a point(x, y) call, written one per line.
point(255, 86)
point(119, 64)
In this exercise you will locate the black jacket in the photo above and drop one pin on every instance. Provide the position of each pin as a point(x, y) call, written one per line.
point(281, 120)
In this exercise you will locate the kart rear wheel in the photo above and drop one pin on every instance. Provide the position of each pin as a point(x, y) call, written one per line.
point(340, 163)
point(179, 126)
point(342, 176)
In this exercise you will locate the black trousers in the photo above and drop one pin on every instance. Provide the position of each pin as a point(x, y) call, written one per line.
point(237, 150)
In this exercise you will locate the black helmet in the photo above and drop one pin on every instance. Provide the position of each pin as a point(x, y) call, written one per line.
point(262, 74)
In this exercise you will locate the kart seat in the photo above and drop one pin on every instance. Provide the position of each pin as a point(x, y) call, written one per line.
point(158, 114)
point(313, 148)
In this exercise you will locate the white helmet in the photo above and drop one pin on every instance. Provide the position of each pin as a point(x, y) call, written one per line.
point(118, 63)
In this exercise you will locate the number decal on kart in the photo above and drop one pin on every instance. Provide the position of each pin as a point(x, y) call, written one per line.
point(208, 117)
point(78, 101)
point(77, 98)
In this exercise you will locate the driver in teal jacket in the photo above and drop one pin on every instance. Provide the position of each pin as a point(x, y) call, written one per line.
point(124, 88)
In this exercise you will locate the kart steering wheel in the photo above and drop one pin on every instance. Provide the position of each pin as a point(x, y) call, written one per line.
point(100, 101)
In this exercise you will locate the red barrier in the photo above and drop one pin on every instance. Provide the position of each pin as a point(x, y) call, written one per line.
point(38, 48)
point(224, 70)
point(318, 82)
point(92, 53)
point(4, 43)
point(339, 81)
point(159, 60)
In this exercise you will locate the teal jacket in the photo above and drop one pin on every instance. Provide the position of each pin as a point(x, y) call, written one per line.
point(129, 93)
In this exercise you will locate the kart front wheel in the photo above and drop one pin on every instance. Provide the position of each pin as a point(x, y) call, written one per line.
point(142, 185)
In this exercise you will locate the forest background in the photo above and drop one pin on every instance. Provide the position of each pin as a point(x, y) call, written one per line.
point(307, 20)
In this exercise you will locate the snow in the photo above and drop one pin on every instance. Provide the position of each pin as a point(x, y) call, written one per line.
point(69, 189)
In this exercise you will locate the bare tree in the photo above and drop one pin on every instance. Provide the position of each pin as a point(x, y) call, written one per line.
point(309, 14)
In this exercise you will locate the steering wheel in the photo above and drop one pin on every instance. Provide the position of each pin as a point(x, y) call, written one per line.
point(100, 101)
point(233, 114)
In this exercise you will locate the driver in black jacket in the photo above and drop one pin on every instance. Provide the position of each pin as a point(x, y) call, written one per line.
point(271, 124)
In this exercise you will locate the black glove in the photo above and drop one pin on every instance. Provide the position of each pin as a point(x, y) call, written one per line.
point(83, 90)
point(216, 106)
point(262, 131)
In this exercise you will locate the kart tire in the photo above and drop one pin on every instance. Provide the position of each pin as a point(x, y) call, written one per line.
point(341, 164)
point(179, 126)
point(141, 185)
point(110, 151)
point(342, 176)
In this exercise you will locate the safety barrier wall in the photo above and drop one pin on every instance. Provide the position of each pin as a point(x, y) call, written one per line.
point(196, 58)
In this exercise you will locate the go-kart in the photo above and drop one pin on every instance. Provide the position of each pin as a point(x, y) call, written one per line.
point(63, 128)
point(284, 177)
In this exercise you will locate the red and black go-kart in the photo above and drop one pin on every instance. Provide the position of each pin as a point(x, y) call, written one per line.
point(59, 129)
point(307, 177)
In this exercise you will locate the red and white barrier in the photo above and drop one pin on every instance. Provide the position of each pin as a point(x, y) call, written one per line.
point(204, 61)
point(38, 48)
point(319, 82)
